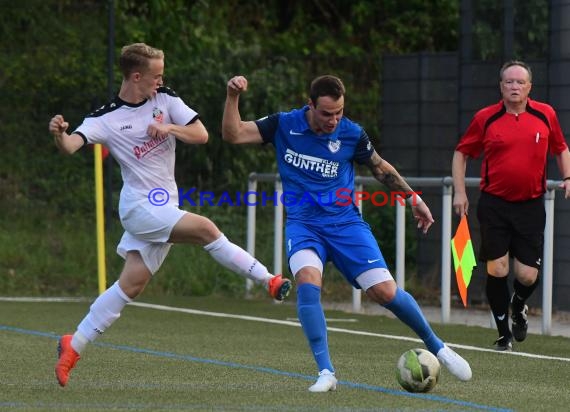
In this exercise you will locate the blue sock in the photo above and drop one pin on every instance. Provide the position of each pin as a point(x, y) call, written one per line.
point(405, 307)
point(312, 319)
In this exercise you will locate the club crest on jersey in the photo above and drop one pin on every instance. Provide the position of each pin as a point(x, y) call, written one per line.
point(157, 115)
point(334, 146)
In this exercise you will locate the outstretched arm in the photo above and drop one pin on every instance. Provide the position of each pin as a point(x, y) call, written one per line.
point(234, 130)
point(66, 143)
point(458, 166)
point(387, 174)
point(563, 160)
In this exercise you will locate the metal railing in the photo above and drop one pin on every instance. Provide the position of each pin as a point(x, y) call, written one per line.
point(447, 199)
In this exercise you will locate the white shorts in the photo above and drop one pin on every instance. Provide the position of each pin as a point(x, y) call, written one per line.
point(147, 230)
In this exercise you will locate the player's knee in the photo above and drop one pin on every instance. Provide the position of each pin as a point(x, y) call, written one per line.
point(528, 277)
point(382, 293)
point(498, 267)
point(308, 275)
point(208, 231)
point(133, 286)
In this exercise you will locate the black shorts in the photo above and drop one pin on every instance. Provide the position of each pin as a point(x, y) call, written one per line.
point(514, 227)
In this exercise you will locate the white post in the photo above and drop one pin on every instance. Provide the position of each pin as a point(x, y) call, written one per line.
point(251, 209)
point(547, 267)
point(356, 293)
point(278, 227)
point(401, 244)
point(447, 201)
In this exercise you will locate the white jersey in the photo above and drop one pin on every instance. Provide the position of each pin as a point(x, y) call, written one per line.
point(146, 163)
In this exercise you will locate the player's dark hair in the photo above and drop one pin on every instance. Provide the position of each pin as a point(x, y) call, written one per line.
point(512, 63)
point(326, 85)
point(135, 57)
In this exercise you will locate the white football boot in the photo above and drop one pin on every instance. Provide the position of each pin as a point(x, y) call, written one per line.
point(325, 383)
point(458, 366)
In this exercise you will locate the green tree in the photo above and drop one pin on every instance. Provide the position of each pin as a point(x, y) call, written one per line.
point(54, 59)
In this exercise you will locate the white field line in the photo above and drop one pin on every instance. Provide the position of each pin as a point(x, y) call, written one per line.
point(285, 323)
point(330, 320)
point(340, 330)
point(31, 300)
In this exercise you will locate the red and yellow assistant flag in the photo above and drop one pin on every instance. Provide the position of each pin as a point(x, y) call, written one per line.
point(463, 258)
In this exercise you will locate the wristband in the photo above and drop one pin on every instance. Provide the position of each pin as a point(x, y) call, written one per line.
point(414, 200)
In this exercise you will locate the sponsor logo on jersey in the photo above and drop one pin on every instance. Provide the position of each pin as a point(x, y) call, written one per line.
point(327, 168)
point(334, 146)
point(142, 150)
point(157, 115)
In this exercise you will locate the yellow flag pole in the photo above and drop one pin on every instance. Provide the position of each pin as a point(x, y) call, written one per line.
point(100, 219)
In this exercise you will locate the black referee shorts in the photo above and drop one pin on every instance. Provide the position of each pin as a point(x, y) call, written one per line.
point(514, 227)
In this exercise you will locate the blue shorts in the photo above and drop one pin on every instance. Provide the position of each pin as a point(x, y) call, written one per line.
point(351, 247)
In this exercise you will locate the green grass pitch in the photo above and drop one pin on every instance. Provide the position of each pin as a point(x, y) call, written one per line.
point(213, 354)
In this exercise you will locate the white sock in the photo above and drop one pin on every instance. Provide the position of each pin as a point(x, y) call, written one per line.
point(103, 312)
point(237, 260)
point(79, 342)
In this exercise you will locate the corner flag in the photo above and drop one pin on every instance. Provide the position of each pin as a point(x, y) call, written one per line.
point(463, 258)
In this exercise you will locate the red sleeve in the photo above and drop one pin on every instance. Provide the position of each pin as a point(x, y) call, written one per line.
point(557, 140)
point(471, 143)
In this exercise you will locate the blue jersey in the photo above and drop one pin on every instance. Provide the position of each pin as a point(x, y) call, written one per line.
point(317, 171)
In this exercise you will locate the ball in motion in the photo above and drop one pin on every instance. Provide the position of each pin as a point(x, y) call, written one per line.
point(418, 370)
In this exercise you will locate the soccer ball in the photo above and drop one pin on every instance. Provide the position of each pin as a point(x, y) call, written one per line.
point(418, 370)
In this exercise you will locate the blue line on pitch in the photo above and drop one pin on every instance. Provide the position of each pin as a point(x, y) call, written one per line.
point(349, 384)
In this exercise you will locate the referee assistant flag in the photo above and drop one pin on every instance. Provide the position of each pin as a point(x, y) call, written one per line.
point(463, 258)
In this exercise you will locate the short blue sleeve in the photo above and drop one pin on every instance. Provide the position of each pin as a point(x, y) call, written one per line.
point(268, 126)
point(364, 149)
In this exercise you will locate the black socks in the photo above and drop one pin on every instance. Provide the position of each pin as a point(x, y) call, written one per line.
point(522, 293)
point(498, 296)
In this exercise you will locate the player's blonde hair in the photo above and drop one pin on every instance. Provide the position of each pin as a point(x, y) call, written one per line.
point(135, 57)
